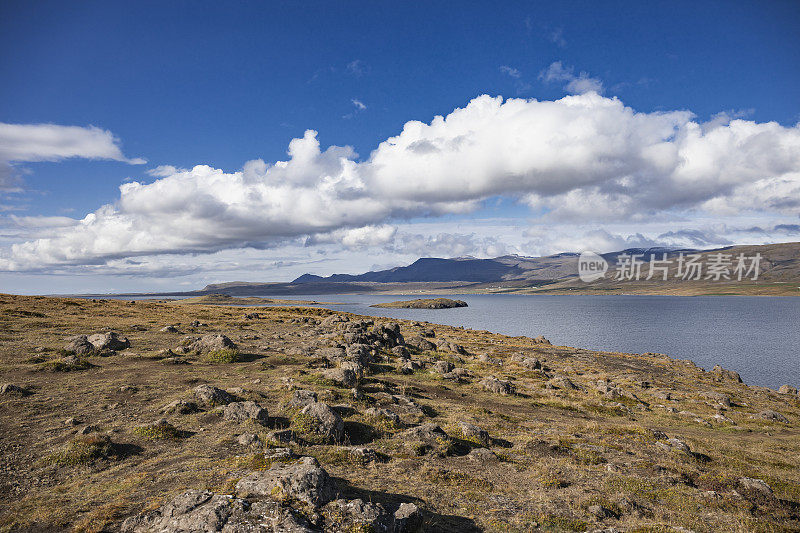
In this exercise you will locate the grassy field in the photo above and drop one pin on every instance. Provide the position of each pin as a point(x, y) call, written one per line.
point(581, 443)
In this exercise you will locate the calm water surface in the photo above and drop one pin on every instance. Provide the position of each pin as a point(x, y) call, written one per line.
point(759, 337)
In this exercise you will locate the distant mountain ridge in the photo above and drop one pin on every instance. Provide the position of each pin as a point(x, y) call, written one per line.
point(779, 273)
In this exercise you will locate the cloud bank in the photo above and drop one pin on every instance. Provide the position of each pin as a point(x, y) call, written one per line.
point(583, 157)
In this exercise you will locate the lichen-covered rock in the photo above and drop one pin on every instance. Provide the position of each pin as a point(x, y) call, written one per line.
point(787, 389)
point(407, 519)
point(319, 422)
point(357, 515)
point(9, 389)
point(499, 386)
point(108, 341)
point(80, 345)
point(301, 398)
point(304, 480)
point(182, 407)
point(720, 374)
point(775, 416)
point(474, 433)
point(348, 374)
point(212, 396)
point(212, 342)
point(749, 484)
point(243, 411)
point(420, 343)
point(442, 367)
point(427, 438)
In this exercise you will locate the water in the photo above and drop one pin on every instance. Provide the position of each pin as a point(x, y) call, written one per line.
point(755, 336)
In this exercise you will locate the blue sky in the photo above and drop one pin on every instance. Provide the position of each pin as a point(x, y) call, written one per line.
point(222, 83)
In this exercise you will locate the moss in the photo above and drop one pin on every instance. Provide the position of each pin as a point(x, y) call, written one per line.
point(159, 431)
point(562, 523)
point(83, 450)
point(217, 357)
point(450, 477)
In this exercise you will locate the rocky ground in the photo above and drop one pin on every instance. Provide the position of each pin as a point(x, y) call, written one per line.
point(156, 416)
point(424, 303)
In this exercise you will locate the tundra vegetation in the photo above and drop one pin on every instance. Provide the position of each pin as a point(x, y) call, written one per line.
point(161, 416)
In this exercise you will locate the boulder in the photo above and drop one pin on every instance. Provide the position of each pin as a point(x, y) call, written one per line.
point(348, 374)
point(79, 344)
point(786, 389)
point(321, 421)
point(407, 518)
point(304, 480)
point(420, 343)
point(474, 434)
point(442, 367)
point(9, 389)
point(182, 407)
point(499, 386)
point(720, 374)
point(749, 484)
point(108, 341)
point(357, 515)
point(212, 396)
point(169, 329)
point(301, 398)
point(426, 438)
point(775, 416)
point(211, 342)
point(243, 411)
point(531, 363)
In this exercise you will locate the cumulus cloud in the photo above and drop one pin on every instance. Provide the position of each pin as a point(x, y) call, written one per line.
point(583, 157)
point(582, 83)
point(449, 245)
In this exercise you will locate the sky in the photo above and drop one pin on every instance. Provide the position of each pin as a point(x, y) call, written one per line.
point(150, 146)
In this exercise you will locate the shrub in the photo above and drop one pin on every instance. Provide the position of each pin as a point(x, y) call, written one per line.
point(83, 450)
point(227, 355)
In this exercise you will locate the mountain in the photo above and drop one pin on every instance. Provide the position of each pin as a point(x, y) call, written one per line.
point(779, 274)
point(431, 269)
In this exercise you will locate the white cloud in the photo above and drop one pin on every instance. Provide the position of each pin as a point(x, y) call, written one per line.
point(580, 84)
point(581, 158)
point(449, 245)
point(50, 142)
point(514, 73)
point(359, 104)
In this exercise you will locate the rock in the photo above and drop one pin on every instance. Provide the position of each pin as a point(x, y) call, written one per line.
point(301, 398)
point(278, 454)
point(427, 438)
point(772, 415)
point(195, 511)
point(9, 389)
point(599, 511)
point(474, 433)
point(492, 384)
point(442, 367)
point(71, 421)
point(182, 407)
point(212, 342)
point(320, 420)
point(420, 343)
point(719, 398)
point(720, 374)
point(169, 329)
point(85, 430)
point(564, 383)
point(541, 340)
point(108, 341)
point(786, 389)
point(361, 353)
point(79, 345)
point(248, 439)
point(531, 363)
point(377, 412)
point(407, 518)
point(243, 411)
point(482, 455)
point(348, 374)
point(305, 481)
point(212, 396)
point(409, 367)
point(401, 351)
point(284, 436)
point(364, 455)
point(357, 515)
point(755, 485)
point(674, 444)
